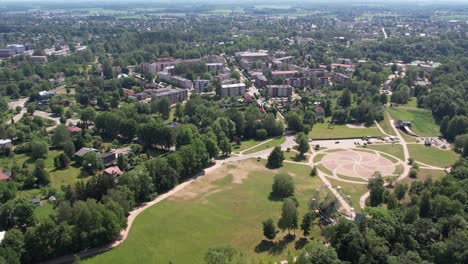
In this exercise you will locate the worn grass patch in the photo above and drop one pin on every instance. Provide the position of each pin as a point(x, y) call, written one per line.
point(323, 130)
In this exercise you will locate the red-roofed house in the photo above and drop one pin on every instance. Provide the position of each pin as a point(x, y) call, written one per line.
point(128, 91)
point(74, 129)
point(5, 176)
point(114, 170)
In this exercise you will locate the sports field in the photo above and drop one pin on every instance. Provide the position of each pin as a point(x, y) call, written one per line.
point(226, 206)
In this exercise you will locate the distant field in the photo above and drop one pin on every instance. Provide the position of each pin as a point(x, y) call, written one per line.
point(423, 121)
point(321, 131)
point(225, 207)
point(273, 6)
point(432, 156)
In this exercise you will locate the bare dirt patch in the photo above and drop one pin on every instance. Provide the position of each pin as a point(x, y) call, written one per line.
point(356, 125)
point(206, 185)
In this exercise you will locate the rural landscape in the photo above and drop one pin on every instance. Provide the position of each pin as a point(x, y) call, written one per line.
point(241, 132)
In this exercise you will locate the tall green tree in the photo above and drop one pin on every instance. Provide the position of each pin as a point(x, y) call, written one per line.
point(376, 187)
point(302, 142)
point(275, 159)
point(283, 186)
point(269, 229)
point(289, 215)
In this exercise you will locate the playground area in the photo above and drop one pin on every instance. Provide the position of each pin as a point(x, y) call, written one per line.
point(357, 163)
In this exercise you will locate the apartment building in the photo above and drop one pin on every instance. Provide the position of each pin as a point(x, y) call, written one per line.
point(235, 89)
point(201, 85)
point(279, 90)
point(174, 95)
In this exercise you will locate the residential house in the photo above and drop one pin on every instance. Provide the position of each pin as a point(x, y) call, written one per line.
point(114, 171)
point(5, 143)
point(82, 152)
point(108, 159)
point(5, 176)
point(36, 201)
point(74, 130)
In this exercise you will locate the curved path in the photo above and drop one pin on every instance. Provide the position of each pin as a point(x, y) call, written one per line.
point(406, 167)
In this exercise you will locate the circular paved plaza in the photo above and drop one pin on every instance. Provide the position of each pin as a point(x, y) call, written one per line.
point(357, 163)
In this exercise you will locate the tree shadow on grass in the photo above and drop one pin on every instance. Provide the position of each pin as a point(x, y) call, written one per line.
point(299, 158)
point(275, 198)
point(300, 243)
point(279, 247)
point(264, 246)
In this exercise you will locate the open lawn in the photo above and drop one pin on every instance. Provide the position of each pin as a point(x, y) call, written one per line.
point(293, 155)
point(226, 206)
point(423, 122)
point(353, 189)
point(386, 125)
point(44, 211)
point(432, 156)
point(245, 144)
point(270, 144)
point(424, 174)
point(395, 150)
point(323, 131)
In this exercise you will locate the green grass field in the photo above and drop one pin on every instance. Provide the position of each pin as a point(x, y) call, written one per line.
point(245, 144)
point(293, 155)
point(44, 211)
point(423, 121)
point(424, 174)
point(432, 156)
point(321, 131)
point(208, 214)
point(395, 150)
point(270, 144)
point(386, 125)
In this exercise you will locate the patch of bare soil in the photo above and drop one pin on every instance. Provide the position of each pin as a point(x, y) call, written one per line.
point(357, 125)
point(204, 184)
